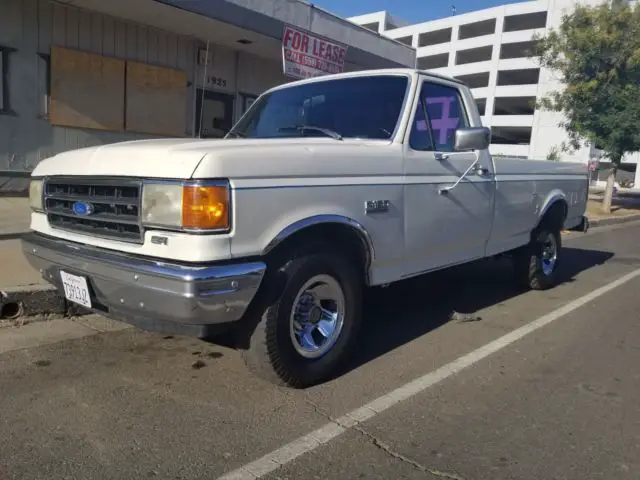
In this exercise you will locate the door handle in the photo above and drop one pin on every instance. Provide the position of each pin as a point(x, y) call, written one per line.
point(474, 167)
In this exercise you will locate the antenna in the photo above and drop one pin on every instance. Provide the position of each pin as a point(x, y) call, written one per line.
point(204, 86)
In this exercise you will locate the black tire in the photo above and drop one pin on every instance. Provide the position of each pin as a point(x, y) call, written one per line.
point(529, 268)
point(270, 353)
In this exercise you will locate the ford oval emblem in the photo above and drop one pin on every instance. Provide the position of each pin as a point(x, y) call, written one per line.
point(82, 209)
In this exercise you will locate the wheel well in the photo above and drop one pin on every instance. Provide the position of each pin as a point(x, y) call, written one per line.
point(555, 216)
point(334, 235)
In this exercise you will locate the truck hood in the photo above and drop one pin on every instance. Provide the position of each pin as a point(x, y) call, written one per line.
point(217, 158)
point(160, 158)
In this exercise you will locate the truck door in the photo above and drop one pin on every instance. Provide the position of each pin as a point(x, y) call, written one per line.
point(444, 229)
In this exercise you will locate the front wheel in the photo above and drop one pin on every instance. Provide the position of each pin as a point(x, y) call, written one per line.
point(536, 265)
point(306, 333)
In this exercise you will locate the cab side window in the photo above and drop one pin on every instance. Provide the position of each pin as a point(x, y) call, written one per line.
point(445, 114)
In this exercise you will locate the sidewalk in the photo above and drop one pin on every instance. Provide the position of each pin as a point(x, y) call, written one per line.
point(14, 221)
point(14, 216)
point(22, 289)
point(625, 207)
point(15, 272)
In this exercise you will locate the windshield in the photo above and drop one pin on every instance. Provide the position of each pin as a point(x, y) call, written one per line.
point(357, 107)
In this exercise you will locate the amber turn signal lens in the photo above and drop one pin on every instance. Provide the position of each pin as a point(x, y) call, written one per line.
point(205, 207)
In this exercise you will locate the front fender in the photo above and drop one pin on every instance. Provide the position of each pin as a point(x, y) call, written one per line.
point(264, 217)
point(260, 230)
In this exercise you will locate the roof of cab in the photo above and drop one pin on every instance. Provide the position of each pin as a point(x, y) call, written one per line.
point(364, 73)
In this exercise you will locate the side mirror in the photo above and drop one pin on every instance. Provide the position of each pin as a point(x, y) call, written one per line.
point(473, 138)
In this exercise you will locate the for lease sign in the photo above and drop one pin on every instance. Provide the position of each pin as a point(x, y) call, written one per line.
point(305, 55)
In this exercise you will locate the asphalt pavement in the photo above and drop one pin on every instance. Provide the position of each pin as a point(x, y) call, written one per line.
point(548, 388)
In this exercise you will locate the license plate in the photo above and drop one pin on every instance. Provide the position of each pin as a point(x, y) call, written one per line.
point(76, 289)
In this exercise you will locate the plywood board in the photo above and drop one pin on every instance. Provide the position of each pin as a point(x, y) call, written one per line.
point(87, 90)
point(156, 100)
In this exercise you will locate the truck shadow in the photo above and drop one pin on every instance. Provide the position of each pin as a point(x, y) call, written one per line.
point(410, 309)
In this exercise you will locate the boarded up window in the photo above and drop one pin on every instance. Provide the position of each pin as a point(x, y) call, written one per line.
point(87, 90)
point(156, 100)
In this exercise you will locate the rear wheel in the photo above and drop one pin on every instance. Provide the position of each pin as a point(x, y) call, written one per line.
point(536, 265)
point(307, 330)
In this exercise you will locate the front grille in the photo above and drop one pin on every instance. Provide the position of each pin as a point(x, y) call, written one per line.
point(107, 208)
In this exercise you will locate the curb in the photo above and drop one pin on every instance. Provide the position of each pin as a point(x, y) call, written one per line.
point(22, 193)
point(11, 234)
point(603, 222)
point(34, 301)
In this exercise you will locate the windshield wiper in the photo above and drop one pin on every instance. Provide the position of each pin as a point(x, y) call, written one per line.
point(302, 128)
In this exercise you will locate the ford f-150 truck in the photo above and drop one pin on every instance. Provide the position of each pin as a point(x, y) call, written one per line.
point(325, 187)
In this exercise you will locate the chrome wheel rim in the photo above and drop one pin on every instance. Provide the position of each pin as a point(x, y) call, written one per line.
point(317, 316)
point(549, 254)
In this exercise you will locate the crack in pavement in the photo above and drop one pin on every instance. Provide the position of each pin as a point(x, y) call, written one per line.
point(388, 450)
point(384, 446)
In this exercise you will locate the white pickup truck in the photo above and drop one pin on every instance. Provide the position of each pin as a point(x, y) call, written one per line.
point(324, 187)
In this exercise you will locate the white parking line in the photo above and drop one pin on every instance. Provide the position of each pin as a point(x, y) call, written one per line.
point(289, 452)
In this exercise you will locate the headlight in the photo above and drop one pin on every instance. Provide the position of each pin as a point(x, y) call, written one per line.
point(189, 206)
point(35, 195)
point(162, 204)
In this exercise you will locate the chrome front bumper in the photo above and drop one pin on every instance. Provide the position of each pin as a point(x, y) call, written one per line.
point(140, 290)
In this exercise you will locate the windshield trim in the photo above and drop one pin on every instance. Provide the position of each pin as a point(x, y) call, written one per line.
point(392, 138)
point(403, 107)
point(341, 76)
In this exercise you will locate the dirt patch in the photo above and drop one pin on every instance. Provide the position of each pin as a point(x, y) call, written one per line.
point(623, 204)
point(594, 210)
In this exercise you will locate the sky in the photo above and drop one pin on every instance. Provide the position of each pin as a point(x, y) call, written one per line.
point(413, 11)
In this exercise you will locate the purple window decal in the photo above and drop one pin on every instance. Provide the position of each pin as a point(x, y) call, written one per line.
point(441, 126)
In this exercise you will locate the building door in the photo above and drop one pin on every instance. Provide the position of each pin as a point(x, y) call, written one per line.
point(214, 113)
point(248, 100)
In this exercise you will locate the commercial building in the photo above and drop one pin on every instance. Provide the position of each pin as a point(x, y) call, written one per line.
point(77, 73)
point(491, 51)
